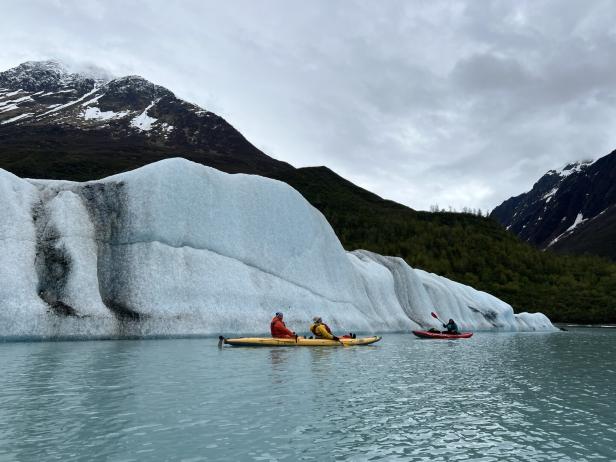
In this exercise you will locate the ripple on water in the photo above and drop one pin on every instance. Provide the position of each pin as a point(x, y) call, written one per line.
point(496, 397)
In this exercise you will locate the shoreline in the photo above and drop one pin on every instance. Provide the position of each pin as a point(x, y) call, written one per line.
point(593, 326)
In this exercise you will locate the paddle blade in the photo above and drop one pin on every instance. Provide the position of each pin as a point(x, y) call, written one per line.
point(434, 315)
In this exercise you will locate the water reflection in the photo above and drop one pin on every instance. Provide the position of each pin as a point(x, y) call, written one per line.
point(497, 397)
point(75, 390)
point(278, 357)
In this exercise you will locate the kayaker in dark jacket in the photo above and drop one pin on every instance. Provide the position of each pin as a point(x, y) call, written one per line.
point(279, 329)
point(452, 327)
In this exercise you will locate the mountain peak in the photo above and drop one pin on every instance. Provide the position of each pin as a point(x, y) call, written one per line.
point(569, 209)
point(130, 119)
point(133, 86)
point(51, 75)
point(50, 65)
point(570, 168)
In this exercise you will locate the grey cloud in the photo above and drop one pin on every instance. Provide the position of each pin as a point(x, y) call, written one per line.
point(460, 103)
point(486, 72)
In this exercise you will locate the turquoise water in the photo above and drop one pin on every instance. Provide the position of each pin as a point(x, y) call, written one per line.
point(494, 397)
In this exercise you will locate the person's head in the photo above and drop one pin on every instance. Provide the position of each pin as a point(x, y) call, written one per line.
point(317, 319)
point(279, 314)
point(450, 320)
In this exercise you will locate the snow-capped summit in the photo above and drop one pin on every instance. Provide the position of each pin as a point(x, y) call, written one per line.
point(44, 92)
point(572, 209)
point(569, 168)
point(47, 103)
point(46, 76)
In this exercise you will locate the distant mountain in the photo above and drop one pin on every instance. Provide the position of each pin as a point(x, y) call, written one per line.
point(571, 210)
point(54, 123)
point(81, 126)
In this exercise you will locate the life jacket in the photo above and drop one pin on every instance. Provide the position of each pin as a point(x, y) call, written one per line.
point(318, 332)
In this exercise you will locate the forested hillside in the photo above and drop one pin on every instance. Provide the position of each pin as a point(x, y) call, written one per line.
point(466, 248)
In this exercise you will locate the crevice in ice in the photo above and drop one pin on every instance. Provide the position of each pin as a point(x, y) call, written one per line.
point(107, 204)
point(53, 264)
point(490, 316)
point(121, 311)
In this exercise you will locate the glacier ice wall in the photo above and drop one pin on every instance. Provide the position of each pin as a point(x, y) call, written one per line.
point(176, 248)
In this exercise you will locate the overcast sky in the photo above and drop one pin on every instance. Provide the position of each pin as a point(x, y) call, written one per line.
point(456, 103)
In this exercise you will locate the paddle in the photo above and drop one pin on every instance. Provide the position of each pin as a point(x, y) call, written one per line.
point(436, 317)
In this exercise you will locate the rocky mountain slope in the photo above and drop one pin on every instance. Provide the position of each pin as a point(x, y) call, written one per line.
point(569, 210)
point(54, 123)
point(102, 126)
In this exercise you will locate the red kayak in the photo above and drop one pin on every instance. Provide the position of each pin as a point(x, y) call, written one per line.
point(440, 335)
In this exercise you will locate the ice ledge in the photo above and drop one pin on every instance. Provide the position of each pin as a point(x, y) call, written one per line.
point(176, 241)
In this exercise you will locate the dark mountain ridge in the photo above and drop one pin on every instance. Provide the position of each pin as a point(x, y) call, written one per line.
point(571, 210)
point(53, 122)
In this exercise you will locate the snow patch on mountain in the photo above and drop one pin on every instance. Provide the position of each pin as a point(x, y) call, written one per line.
point(166, 128)
point(144, 122)
point(571, 168)
point(8, 108)
point(578, 219)
point(18, 100)
point(70, 103)
point(548, 196)
point(16, 118)
point(93, 112)
point(93, 100)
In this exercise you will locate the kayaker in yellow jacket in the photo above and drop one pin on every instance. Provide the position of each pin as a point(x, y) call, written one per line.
point(322, 330)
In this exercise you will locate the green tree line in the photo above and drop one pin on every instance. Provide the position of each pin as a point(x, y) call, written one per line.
point(467, 248)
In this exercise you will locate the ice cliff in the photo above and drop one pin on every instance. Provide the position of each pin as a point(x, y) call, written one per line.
point(176, 248)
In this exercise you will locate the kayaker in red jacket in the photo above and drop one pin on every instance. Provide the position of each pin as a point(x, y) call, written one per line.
point(279, 329)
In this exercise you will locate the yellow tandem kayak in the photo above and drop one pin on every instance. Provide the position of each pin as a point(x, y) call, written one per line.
point(299, 341)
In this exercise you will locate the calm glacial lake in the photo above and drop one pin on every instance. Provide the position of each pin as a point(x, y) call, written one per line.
point(537, 397)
